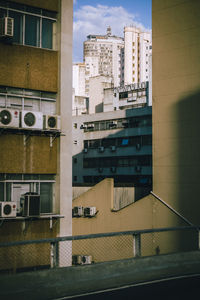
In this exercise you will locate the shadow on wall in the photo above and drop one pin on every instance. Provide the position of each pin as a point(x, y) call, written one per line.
point(187, 112)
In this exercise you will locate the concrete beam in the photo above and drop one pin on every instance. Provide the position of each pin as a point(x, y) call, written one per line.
point(68, 281)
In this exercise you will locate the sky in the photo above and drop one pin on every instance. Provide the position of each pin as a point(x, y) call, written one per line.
point(94, 16)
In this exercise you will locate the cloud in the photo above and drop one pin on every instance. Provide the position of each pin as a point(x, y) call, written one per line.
point(95, 20)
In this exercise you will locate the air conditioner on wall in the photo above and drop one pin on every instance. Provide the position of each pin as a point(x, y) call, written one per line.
point(77, 211)
point(6, 27)
point(8, 209)
point(101, 149)
point(31, 120)
point(52, 122)
point(9, 118)
point(81, 259)
point(30, 204)
point(89, 211)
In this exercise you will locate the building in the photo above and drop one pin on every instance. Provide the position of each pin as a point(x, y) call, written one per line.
point(79, 79)
point(104, 55)
point(137, 55)
point(174, 199)
point(113, 144)
point(35, 125)
point(175, 86)
point(97, 85)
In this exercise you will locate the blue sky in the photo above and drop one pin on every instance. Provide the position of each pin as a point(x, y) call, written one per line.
point(93, 17)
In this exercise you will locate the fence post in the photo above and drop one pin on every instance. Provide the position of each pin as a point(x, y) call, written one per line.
point(198, 239)
point(136, 245)
point(54, 254)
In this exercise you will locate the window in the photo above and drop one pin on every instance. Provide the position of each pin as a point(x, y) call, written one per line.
point(13, 186)
point(28, 100)
point(32, 26)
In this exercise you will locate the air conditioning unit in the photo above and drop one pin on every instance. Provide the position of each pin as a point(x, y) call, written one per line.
point(30, 204)
point(81, 259)
point(52, 122)
point(31, 120)
point(113, 124)
point(85, 150)
point(76, 259)
point(101, 149)
point(9, 118)
point(113, 169)
point(89, 211)
point(100, 170)
point(113, 148)
point(138, 169)
point(6, 27)
point(138, 146)
point(83, 126)
point(8, 209)
point(77, 211)
point(86, 259)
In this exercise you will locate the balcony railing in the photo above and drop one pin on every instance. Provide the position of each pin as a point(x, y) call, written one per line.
point(66, 251)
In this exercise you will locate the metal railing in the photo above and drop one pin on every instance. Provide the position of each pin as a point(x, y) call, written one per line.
point(86, 249)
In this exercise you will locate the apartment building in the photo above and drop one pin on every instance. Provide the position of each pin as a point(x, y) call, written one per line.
point(35, 122)
point(137, 55)
point(104, 55)
point(115, 144)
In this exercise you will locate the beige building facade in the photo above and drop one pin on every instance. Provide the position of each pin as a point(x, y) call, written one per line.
point(35, 85)
point(175, 88)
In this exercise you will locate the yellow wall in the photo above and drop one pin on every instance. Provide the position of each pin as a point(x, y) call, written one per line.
point(143, 214)
point(50, 4)
point(176, 105)
point(12, 258)
point(35, 156)
point(29, 67)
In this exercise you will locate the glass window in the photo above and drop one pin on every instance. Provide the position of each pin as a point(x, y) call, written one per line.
point(1, 191)
point(46, 197)
point(18, 25)
point(8, 191)
point(125, 142)
point(32, 30)
point(47, 33)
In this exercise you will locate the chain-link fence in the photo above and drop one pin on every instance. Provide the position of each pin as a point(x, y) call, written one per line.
point(89, 249)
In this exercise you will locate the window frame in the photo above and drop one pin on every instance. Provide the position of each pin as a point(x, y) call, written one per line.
point(40, 15)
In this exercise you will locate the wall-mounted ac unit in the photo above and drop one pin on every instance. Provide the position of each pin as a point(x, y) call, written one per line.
point(138, 146)
point(77, 211)
point(101, 149)
point(31, 120)
point(113, 169)
point(100, 170)
point(81, 259)
point(89, 211)
point(8, 209)
point(30, 204)
point(113, 148)
point(6, 27)
point(85, 150)
point(138, 169)
point(52, 122)
point(9, 118)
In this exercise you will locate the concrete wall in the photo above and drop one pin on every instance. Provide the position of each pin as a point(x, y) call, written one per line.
point(29, 67)
point(50, 4)
point(33, 156)
point(176, 105)
point(145, 213)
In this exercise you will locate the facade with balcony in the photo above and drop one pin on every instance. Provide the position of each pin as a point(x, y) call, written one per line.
point(115, 145)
